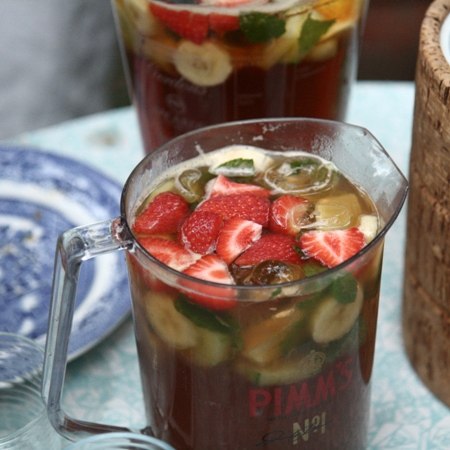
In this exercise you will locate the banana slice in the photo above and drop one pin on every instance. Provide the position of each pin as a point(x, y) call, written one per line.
point(202, 65)
point(323, 51)
point(285, 371)
point(172, 327)
point(262, 341)
point(285, 48)
point(331, 320)
point(368, 225)
point(212, 348)
point(339, 27)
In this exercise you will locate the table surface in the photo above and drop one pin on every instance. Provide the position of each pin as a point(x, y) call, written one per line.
point(103, 384)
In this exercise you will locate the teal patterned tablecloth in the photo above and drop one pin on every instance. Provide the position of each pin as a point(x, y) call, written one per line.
point(103, 384)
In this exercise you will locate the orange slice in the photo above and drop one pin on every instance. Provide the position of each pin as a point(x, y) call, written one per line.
point(338, 9)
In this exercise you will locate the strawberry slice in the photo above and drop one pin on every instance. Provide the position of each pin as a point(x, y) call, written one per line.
point(210, 268)
point(223, 185)
point(164, 214)
point(277, 247)
point(244, 206)
point(288, 213)
point(168, 252)
point(214, 269)
point(200, 230)
point(222, 23)
point(332, 247)
point(186, 24)
point(232, 3)
point(235, 237)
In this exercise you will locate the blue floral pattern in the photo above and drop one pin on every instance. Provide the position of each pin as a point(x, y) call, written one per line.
point(42, 195)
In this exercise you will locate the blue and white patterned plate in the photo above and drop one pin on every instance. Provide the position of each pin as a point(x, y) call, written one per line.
point(42, 195)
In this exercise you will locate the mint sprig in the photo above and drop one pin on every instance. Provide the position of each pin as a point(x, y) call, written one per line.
point(236, 167)
point(205, 318)
point(344, 288)
point(311, 33)
point(260, 27)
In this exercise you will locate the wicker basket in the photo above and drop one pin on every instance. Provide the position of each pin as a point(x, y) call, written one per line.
point(426, 303)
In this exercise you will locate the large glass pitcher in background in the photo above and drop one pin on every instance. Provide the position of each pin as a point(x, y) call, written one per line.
point(203, 388)
point(191, 64)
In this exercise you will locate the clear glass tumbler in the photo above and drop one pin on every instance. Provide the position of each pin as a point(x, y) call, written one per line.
point(113, 441)
point(23, 416)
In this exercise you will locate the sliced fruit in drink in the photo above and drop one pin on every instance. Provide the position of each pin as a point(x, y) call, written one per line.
point(190, 183)
point(338, 9)
point(289, 214)
point(274, 247)
point(164, 214)
point(286, 47)
point(244, 206)
point(323, 50)
point(284, 371)
point(214, 269)
point(169, 252)
point(332, 247)
point(223, 23)
point(262, 341)
point(185, 23)
point(337, 212)
point(160, 51)
point(221, 185)
point(212, 348)
point(203, 65)
point(300, 176)
point(217, 332)
point(200, 230)
point(236, 236)
point(332, 318)
point(368, 225)
point(138, 12)
point(171, 326)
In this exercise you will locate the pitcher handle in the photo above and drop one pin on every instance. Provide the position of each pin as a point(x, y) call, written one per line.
point(74, 247)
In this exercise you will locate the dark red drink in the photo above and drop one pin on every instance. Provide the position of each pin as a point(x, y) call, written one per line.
point(255, 363)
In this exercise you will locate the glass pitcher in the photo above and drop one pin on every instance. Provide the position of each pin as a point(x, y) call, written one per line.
point(200, 388)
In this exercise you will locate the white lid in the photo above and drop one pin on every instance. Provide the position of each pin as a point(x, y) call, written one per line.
point(445, 38)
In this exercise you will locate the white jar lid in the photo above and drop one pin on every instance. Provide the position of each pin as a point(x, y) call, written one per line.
point(445, 38)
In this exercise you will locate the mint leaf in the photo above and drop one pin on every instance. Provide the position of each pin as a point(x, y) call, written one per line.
point(344, 288)
point(305, 163)
point(236, 167)
point(296, 336)
point(205, 318)
point(276, 293)
point(311, 33)
point(259, 27)
point(312, 268)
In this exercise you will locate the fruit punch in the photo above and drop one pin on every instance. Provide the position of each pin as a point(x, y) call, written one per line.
point(195, 63)
point(251, 333)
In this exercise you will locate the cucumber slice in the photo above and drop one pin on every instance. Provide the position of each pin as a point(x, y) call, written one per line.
point(284, 371)
point(212, 348)
point(262, 342)
point(171, 326)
